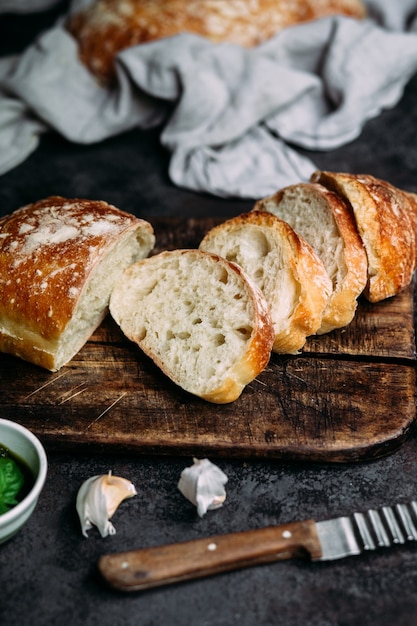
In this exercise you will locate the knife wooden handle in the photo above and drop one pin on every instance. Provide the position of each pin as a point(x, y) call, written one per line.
point(151, 567)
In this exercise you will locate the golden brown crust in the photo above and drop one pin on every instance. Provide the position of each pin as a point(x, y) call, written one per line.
point(412, 198)
point(244, 368)
point(342, 302)
point(305, 275)
point(48, 251)
point(23, 349)
point(315, 289)
point(109, 26)
point(382, 214)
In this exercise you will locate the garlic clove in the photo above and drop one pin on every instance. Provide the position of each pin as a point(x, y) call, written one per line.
point(117, 489)
point(98, 499)
point(203, 485)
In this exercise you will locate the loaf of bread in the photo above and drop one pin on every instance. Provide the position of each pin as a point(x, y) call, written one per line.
point(385, 222)
point(199, 318)
point(59, 261)
point(284, 266)
point(109, 26)
point(326, 221)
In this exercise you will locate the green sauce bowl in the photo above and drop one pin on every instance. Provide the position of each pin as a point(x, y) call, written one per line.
point(23, 444)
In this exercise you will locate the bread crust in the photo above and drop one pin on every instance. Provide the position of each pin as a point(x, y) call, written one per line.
point(305, 275)
point(243, 370)
point(342, 303)
point(382, 214)
point(412, 198)
point(49, 251)
point(109, 26)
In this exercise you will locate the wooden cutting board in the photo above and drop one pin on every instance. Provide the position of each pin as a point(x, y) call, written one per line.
point(349, 396)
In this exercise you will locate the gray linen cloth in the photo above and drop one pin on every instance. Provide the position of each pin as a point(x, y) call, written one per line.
point(232, 118)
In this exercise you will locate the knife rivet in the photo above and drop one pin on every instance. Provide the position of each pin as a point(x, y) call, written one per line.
point(124, 565)
point(287, 534)
point(212, 547)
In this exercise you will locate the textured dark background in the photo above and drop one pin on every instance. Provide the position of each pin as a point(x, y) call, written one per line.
point(48, 571)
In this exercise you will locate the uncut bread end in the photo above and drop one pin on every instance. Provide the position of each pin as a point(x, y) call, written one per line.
point(202, 321)
point(412, 198)
point(383, 216)
point(59, 261)
point(325, 220)
point(284, 266)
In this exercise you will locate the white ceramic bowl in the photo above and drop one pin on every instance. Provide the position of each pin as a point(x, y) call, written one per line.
point(26, 446)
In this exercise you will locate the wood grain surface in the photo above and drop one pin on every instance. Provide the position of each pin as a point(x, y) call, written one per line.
point(349, 396)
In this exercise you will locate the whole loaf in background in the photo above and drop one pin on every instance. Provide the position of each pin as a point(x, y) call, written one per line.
point(109, 26)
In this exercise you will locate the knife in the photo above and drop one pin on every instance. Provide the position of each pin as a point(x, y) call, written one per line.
point(320, 541)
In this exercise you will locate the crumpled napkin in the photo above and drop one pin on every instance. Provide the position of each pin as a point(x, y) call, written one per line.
point(231, 118)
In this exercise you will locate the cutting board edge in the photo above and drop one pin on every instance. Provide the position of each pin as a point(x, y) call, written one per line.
point(245, 452)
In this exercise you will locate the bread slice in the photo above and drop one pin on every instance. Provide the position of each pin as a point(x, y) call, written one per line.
point(326, 221)
point(199, 318)
point(382, 214)
point(106, 27)
point(412, 198)
point(285, 268)
point(59, 261)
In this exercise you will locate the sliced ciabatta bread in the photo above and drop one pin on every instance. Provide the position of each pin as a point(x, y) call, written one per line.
point(199, 318)
point(382, 215)
point(326, 221)
point(59, 261)
point(285, 268)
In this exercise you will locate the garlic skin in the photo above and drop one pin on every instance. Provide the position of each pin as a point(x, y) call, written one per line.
point(203, 484)
point(98, 499)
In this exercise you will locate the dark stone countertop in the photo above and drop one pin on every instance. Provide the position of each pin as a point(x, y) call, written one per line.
point(48, 571)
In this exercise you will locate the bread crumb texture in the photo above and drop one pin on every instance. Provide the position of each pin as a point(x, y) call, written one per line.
point(326, 222)
point(385, 221)
point(198, 317)
point(59, 259)
point(284, 267)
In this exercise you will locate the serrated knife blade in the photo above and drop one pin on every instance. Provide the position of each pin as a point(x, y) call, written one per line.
point(349, 536)
point(320, 541)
